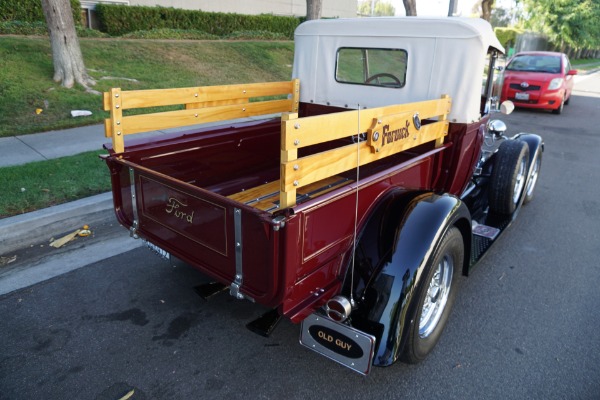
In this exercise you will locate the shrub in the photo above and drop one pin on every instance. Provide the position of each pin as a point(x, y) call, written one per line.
point(37, 28)
point(255, 35)
point(167, 33)
point(31, 11)
point(118, 20)
point(507, 36)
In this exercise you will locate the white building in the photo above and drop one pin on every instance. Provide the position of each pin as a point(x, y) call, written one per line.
point(331, 8)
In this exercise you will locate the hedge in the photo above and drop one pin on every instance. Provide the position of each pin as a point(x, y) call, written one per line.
point(117, 20)
point(31, 11)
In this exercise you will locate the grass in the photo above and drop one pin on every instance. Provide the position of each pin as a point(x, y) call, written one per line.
point(26, 74)
point(586, 64)
point(42, 184)
point(26, 85)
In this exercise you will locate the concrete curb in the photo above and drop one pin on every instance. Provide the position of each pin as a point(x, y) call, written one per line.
point(26, 229)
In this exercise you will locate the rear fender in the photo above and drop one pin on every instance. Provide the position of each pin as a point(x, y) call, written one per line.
point(535, 143)
point(408, 237)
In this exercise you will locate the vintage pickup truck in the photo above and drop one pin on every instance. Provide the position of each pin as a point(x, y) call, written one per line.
point(373, 181)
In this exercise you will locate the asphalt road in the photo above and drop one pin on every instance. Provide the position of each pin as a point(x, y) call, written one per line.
point(525, 325)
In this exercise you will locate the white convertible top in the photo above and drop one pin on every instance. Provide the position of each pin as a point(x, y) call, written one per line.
point(445, 56)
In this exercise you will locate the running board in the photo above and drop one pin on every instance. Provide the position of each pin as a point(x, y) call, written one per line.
point(208, 290)
point(485, 235)
point(265, 324)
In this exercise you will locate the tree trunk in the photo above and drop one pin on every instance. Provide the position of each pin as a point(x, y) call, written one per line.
point(313, 9)
point(411, 7)
point(486, 9)
point(66, 53)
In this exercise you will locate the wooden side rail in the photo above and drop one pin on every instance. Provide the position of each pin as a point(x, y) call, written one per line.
point(202, 104)
point(389, 130)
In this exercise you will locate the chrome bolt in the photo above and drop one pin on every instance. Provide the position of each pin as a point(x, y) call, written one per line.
point(296, 183)
point(117, 95)
point(296, 126)
point(296, 142)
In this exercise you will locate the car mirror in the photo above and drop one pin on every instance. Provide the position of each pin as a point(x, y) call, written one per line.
point(572, 72)
point(507, 107)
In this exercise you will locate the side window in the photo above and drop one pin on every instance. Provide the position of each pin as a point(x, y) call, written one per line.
point(567, 65)
point(376, 67)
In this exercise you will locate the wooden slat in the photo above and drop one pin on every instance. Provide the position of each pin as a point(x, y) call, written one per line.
point(168, 97)
point(116, 120)
point(321, 128)
point(316, 167)
point(257, 192)
point(171, 119)
point(287, 197)
point(265, 197)
point(192, 106)
point(440, 141)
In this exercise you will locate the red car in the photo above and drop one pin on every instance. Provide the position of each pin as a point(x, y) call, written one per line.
point(538, 79)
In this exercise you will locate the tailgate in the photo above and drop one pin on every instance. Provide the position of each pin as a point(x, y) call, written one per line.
point(233, 243)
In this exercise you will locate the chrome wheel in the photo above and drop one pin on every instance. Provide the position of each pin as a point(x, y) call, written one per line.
point(521, 176)
point(534, 177)
point(437, 296)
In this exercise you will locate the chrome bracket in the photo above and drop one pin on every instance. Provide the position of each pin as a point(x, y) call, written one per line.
point(135, 225)
point(278, 223)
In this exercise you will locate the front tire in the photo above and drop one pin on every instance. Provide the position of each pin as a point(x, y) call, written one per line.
point(436, 297)
point(508, 176)
point(560, 108)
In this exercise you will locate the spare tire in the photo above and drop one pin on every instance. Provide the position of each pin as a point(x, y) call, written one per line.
point(508, 176)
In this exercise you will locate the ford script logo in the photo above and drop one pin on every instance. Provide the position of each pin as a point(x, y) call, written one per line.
point(524, 85)
point(175, 207)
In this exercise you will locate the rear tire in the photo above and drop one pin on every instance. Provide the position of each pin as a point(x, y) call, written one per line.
point(436, 296)
point(508, 176)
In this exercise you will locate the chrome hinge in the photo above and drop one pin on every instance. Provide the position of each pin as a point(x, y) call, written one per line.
point(234, 288)
point(135, 225)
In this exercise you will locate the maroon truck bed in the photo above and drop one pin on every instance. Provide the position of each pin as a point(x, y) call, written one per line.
point(180, 192)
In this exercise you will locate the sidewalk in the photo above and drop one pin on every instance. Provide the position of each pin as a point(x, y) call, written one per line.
point(19, 150)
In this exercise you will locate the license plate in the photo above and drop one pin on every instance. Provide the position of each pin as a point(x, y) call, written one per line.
point(339, 342)
point(522, 96)
point(157, 250)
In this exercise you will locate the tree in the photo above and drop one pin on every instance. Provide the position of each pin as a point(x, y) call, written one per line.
point(411, 7)
point(486, 9)
point(66, 53)
point(567, 23)
point(313, 9)
point(381, 8)
point(500, 18)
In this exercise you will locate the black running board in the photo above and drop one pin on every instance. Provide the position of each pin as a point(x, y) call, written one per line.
point(208, 290)
point(265, 324)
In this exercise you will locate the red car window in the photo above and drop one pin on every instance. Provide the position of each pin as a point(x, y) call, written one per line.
point(535, 63)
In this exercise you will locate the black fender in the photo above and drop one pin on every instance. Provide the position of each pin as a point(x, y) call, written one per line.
point(410, 231)
point(535, 143)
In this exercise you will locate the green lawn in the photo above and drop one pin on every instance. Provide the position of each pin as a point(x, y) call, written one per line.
point(26, 74)
point(42, 184)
